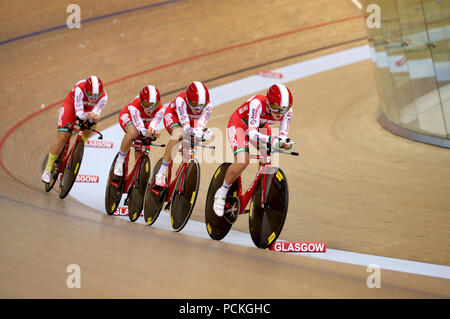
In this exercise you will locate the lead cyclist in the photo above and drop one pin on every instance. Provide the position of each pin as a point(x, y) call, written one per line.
point(250, 122)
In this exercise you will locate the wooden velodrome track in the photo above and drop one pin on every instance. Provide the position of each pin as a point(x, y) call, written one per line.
point(356, 186)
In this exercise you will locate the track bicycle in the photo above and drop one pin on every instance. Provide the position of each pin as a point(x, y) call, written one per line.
point(268, 195)
point(69, 160)
point(132, 183)
point(181, 192)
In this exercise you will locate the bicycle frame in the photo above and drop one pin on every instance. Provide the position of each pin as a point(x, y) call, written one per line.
point(245, 198)
point(181, 170)
point(66, 157)
point(132, 178)
point(79, 132)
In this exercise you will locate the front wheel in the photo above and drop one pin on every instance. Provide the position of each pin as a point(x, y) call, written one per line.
point(266, 221)
point(55, 171)
point(185, 195)
point(114, 190)
point(136, 199)
point(218, 227)
point(71, 170)
point(153, 200)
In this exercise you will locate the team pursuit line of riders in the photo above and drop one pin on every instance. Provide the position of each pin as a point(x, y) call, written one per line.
point(184, 118)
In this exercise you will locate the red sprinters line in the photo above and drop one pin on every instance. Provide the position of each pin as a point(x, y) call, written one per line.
point(237, 46)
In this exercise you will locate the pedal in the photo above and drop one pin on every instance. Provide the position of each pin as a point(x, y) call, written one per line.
point(125, 203)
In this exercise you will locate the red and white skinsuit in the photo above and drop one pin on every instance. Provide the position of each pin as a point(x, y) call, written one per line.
point(178, 113)
point(251, 122)
point(78, 105)
point(135, 114)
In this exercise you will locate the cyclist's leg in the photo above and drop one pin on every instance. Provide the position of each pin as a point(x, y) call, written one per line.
point(239, 142)
point(238, 138)
point(65, 117)
point(170, 150)
point(131, 133)
point(56, 148)
point(173, 126)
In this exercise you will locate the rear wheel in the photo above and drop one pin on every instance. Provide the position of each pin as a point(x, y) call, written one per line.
point(114, 190)
point(136, 198)
point(55, 171)
point(266, 223)
point(71, 170)
point(183, 201)
point(153, 200)
point(218, 227)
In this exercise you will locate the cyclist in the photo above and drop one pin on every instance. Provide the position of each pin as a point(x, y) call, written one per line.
point(250, 122)
point(84, 102)
point(188, 113)
point(140, 118)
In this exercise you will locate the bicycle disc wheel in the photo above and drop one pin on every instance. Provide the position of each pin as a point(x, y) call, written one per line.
point(136, 199)
point(71, 170)
point(114, 190)
point(55, 172)
point(153, 202)
point(218, 227)
point(266, 223)
point(183, 203)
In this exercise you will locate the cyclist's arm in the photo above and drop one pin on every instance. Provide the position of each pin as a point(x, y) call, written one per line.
point(98, 108)
point(183, 116)
point(137, 120)
point(204, 118)
point(157, 119)
point(78, 104)
point(284, 125)
point(254, 113)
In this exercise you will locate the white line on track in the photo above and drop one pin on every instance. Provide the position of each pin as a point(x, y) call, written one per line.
point(93, 194)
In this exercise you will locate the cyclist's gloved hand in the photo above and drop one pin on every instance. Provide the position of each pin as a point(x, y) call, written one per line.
point(198, 132)
point(153, 133)
point(144, 133)
point(206, 134)
point(286, 143)
point(92, 117)
point(275, 144)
